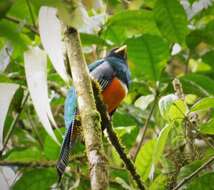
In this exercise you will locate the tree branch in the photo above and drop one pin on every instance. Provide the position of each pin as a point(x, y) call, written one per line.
point(30, 164)
point(186, 179)
point(106, 124)
point(18, 21)
point(90, 118)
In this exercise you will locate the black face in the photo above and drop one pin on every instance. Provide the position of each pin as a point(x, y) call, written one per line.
point(119, 53)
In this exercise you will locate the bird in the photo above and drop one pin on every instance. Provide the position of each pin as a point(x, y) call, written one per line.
point(113, 75)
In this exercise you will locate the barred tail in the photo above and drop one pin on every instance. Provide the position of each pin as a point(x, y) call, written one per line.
point(65, 151)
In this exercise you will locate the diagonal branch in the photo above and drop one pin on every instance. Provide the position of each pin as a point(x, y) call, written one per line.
point(106, 124)
point(186, 179)
point(18, 21)
point(90, 118)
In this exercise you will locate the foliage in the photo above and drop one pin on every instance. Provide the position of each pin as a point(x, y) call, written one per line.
point(166, 39)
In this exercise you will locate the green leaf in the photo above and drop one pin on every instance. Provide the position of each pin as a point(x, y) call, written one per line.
point(208, 58)
point(172, 108)
point(144, 159)
point(203, 104)
point(161, 141)
point(122, 119)
point(20, 10)
point(12, 33)
point(128, 23)
point(41, 179)
point(160, 183)
point(127, 135)
point(171, 19)
point(148, 55)
point(197, 84)
point(51, 149)
point(30, 154)
point(204, 182)
point(207, 128)
point(177, 110)
point(165, 102)
point(90, 39)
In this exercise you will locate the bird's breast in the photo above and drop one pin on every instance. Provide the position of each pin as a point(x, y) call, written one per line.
point(114, 93)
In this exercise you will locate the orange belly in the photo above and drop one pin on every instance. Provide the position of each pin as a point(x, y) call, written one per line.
point(114, 94)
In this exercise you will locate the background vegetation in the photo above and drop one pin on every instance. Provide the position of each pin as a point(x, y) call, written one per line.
point(168, 132)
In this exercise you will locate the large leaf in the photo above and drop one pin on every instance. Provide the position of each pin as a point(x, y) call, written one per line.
point(165, 103)
point(36, 179)
point(51, 149)
point(171, 20)
point(28, 155)
point(7, 91)
point(198, 84)
point(144, 159)
point(35, 69)
point(172, 108)
point(148, 55)
point(204, 103)
point(20, 10)
point(128, 23)
point(204, 182)
point(161, 141)
point(122, 119)
point(11, 32)
point(51, 37)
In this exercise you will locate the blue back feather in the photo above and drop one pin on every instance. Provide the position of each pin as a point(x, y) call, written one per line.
point(70, 107)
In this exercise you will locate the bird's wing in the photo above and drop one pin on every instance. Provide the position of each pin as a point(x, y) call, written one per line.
point(92, 66)
point(70, 111)
point(103, 73)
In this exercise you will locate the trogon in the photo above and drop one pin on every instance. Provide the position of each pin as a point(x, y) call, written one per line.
point(113, 75)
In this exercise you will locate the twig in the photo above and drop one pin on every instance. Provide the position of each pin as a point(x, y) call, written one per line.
point(40, 163)
point(18, 21)
point(186, 179)
point(14, 123)
point(90, 118)
point(136, 148)
point(106, 124)
point(30, 164)
point(47, 164)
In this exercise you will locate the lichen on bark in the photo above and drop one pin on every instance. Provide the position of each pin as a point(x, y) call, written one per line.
point(90, 117)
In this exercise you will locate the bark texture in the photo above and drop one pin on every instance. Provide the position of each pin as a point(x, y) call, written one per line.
point(90, 118)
